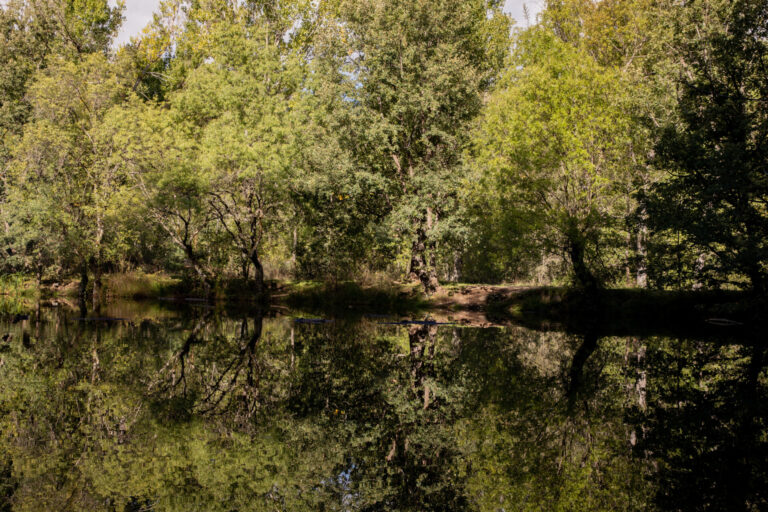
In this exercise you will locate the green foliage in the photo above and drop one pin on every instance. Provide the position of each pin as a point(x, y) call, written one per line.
point(554, 142)
point(137, 285)
point(88, 25)
point(202, 410)
point(64, 178)
point(411, 76)
point(231, 142)
point(716, 193)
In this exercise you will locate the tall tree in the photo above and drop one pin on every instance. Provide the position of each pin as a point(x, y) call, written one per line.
point(32, 31)
point(717, 190)
point(62, 107)
point(415, 72)
point(240, 103)
point(161, 163)
point(554, 140)
point(64, 168)
point(23, 48)
point(633, 38)
point(230, 122)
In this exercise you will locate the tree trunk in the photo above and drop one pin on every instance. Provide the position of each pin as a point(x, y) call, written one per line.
point(83, 291)
point(584, 275)
point(628, 259)
point(642, 251)
point(293, 346)
point(698, 268)
point(97, 265)
point(456, 268)
point(634, 360)
point(577, 377)
point(97, 286)
point(258, 274)
point(205, 279)
point(253, 372)
point(421, 271)
point(421, 340)
point(417, 262)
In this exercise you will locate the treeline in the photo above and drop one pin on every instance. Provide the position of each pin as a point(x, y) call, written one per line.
point(611, 142)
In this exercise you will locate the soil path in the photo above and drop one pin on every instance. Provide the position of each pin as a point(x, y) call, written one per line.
point(467, 305)
point(474, 297)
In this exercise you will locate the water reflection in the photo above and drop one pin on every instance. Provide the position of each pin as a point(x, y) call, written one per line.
point(154, 408)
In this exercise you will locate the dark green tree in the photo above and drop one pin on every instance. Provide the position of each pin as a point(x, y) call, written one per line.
point(717, 155)
point(414, 74)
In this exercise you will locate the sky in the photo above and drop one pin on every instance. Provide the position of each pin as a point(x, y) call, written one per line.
point(139, 12)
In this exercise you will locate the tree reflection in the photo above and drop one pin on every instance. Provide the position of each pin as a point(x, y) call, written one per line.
point(707, 426)
point(199, 409)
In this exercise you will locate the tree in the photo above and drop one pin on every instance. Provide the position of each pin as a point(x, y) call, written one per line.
point(239, 105)
point(716, 192)
point(214, 157)
point(23, 48)
point(55, 49)
point(413, 73)
point(32, 32)
point(160, 163)
point(633, 38)
point(63, 166)
point(554, 140)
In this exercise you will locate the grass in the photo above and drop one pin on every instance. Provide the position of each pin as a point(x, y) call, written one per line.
point(10, 306)
point(17, 294)
point(17, 285)
point(138, 285)
point(351, 296)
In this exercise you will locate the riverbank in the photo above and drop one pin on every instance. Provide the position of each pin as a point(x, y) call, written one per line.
point(714, 315)
point(606, 312)
point(634, 312)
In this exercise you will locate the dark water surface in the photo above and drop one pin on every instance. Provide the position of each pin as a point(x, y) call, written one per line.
point(187, 408)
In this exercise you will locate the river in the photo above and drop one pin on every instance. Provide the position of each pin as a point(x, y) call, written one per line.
point(185, 406)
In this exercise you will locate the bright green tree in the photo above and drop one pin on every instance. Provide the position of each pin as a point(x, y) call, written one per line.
point(632, 37)
point(215, 158)
point(239, 105)
point(554, 140)
point(64, 176)
point(33, 31)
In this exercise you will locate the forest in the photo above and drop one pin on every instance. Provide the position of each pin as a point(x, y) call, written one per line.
point(384, 255)
point(605, 144)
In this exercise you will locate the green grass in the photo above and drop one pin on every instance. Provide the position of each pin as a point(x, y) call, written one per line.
point(17, 294)
point(138, 285)
point(10, 306)
point(17, 285)
point(350, 296)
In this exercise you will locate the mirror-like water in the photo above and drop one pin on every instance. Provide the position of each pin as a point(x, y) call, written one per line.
point(192, 409)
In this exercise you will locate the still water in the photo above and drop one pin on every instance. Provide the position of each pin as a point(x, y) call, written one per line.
point(170, 407)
